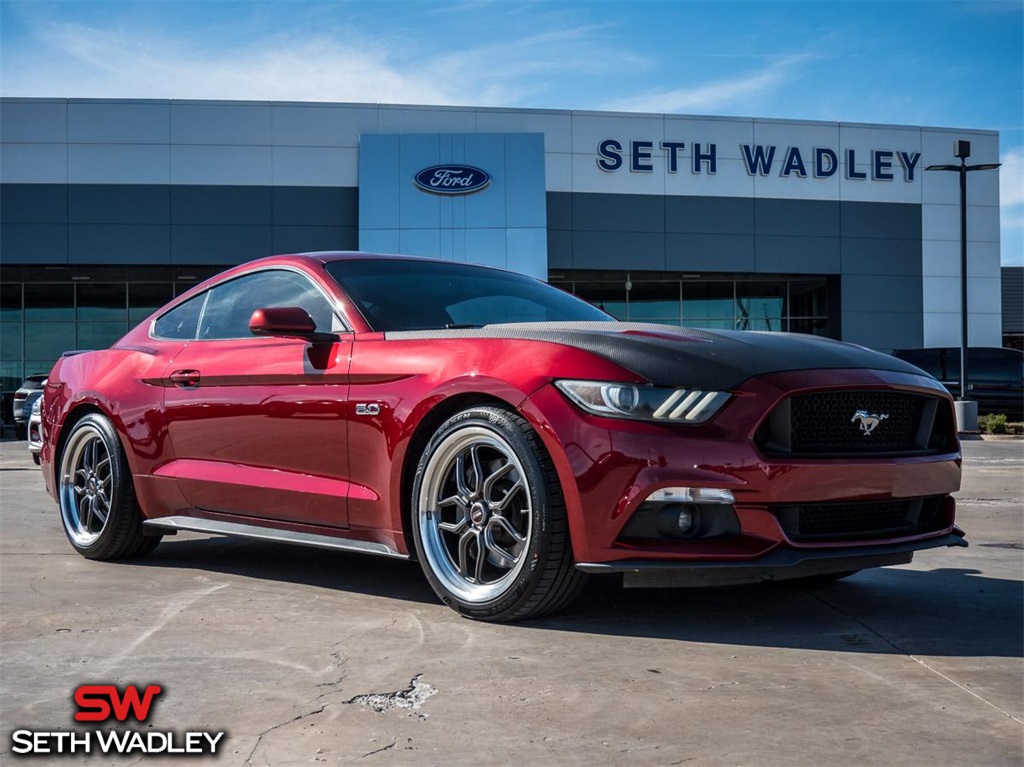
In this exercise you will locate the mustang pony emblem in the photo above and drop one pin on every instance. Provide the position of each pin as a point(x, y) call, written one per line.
point(868, 421)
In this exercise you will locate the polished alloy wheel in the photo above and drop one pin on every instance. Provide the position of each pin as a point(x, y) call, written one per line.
point(86, 486)
point(475, 514)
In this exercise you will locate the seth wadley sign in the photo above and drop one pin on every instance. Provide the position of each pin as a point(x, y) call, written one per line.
point(759, 160)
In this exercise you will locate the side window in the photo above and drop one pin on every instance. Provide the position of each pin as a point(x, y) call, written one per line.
point(182, 321)
point(231, 304)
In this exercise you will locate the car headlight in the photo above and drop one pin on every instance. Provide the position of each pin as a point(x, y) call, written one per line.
point(647, 403)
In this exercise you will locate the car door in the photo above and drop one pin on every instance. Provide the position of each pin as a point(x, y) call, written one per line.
point(258, 424)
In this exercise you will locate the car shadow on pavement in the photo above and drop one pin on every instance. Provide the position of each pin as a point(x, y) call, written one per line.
point(340, 570)
point(943, 612)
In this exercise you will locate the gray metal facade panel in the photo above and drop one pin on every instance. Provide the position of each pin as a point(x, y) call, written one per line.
point(118, 204)
point(876, 220)
point(559, 210)
point(618, 250)
point(559, 249)
point(709, 252)
point(797, 255)
point(220, 205)
point(1013, 298)
point(221, 245)
point(880, 257)
point(796, 218)
point(618, 213)
point(883, 330)
point(709, 215)
point(34, 243)
point(118, 244)
point(316, 206)
point(33, 204)
point(895, 293)
point(302, 239)
point(34, 121)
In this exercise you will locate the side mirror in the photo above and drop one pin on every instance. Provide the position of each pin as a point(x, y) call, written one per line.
point(282, 321)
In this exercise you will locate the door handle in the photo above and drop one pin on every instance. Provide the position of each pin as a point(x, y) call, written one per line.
point(185, 379)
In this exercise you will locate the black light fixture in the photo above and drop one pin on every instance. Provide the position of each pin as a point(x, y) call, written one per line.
point(966, 410)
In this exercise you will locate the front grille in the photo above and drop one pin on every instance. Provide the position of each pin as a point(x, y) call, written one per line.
point(859, 520)
point(855, 423)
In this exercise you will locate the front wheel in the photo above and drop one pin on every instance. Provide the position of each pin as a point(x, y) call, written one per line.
point(98, 508)
point(489, 519)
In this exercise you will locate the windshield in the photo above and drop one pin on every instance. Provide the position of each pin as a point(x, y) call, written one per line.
point(400, 294)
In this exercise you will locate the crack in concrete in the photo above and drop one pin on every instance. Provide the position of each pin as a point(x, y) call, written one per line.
point(378, 750)
point(412, 697)
point(259, 739)
point(913, 657)
point(339, 660)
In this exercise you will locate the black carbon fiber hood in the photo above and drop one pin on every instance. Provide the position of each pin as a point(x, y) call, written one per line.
point(671, 356)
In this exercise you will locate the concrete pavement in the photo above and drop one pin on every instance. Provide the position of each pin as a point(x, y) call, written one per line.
point(305, 656)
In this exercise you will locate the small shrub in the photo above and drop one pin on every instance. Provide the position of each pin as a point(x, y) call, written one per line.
point(994, 423)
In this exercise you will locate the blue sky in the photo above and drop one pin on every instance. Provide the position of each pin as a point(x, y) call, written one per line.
point(958, 64)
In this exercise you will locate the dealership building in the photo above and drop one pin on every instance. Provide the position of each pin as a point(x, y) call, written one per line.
point(109, 208)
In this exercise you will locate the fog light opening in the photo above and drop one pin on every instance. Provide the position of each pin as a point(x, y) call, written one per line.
point(686, 522)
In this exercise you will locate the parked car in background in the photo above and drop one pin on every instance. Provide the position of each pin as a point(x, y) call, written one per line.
point(35, 429)
point(995, 376)
point(29, 391)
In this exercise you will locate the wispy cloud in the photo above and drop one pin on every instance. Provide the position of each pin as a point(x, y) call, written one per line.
point(1011, 178)
point(1011, 206)
point(333, 65)
point(730, 92)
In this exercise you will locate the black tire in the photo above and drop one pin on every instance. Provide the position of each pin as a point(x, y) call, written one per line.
point(21, 431)
point(93, 477)
point(535, 573)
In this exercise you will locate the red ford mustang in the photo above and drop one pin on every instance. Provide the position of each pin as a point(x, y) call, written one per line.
point(509, 436)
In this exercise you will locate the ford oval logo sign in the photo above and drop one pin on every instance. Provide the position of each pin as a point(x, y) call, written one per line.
point(452, 179)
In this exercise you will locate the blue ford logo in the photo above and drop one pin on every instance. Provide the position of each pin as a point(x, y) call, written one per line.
point(452, 179)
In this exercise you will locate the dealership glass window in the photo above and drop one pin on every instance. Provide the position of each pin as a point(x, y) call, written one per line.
point(49, 302)
point(144, 298)
point(798, 305)
point(655, 302)
point(10, 302)
point(709, 304)
point(47, 341)
point(10, 341)
point(101, 301)
point(98, 335)
point(760, 305)
point(808, 298)
point(607, 296)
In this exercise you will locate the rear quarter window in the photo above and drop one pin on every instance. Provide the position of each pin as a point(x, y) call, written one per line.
point(181, 322)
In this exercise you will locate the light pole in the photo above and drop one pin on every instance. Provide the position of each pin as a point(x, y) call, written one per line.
point(966, 410)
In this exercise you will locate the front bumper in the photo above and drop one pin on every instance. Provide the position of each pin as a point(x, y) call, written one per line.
point(608, 467)
point(778, 565)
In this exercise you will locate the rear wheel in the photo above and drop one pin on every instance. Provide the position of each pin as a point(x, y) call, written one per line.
point(489, 519)
point(98, 508)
